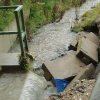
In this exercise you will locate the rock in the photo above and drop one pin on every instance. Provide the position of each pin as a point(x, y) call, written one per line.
point(63, 67)
point(87, 51)
point(81, 90)
point(89, 35)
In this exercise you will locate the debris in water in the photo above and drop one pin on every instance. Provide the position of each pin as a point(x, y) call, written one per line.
point(81, 90)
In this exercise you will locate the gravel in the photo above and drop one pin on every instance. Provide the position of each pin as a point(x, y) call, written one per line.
point(81, 90)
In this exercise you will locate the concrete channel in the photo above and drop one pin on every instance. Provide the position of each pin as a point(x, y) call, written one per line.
point(52, 41)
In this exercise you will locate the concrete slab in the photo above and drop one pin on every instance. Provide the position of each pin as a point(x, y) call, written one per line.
point(9, 59)
point(63, 67)
point(86, 73)
point(73, 45)
point(88, 49)
point(96, 91)
point(91, 36)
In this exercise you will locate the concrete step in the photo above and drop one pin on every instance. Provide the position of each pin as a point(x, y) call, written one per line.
point(9, 59)
point(87, 50)
point(63, 67)
point(91, 36)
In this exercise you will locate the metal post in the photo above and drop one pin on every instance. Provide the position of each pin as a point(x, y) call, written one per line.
point(23, 26)
point(19, 33)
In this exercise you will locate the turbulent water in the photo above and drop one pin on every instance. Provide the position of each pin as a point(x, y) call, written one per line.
point(52, 41)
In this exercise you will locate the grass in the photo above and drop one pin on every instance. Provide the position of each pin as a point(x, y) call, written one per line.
point(41, 12)
point(88, 19)
point(45, 12)
point(7, 16)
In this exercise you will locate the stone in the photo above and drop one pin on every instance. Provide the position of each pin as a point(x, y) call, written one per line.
point(87, 51)
point(63, 67)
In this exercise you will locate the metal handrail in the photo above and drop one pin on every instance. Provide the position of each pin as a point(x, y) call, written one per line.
point(21, 31)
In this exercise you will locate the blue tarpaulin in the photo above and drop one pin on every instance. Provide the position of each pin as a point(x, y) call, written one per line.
point(61, 84)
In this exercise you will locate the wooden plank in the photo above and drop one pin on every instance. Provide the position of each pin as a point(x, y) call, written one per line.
point(9, 59)
point(64, 67)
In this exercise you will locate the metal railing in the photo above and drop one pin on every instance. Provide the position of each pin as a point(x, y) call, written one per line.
point(21, 31)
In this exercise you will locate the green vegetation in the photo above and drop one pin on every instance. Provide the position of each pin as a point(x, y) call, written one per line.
point(26, 63)
point(41, 12)
point(46, 11)
point(77, 3)
point(88, 19)
point(6, 16)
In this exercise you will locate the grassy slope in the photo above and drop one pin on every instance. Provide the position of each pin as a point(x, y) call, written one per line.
point(7, 16)
point(88, 19)
point(42, 12)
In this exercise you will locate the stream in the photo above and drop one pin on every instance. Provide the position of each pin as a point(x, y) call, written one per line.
point(52, 40)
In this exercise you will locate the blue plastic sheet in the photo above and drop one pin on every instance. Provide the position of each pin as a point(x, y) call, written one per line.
point(61, 84)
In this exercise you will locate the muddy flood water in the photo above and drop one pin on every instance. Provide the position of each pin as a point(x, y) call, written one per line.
point(51, 42)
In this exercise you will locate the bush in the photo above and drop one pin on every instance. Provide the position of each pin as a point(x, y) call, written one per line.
point(6, 16)
point(45, 11)
point(88, 19)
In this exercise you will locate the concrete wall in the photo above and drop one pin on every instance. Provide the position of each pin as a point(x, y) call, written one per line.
point(6, 41)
